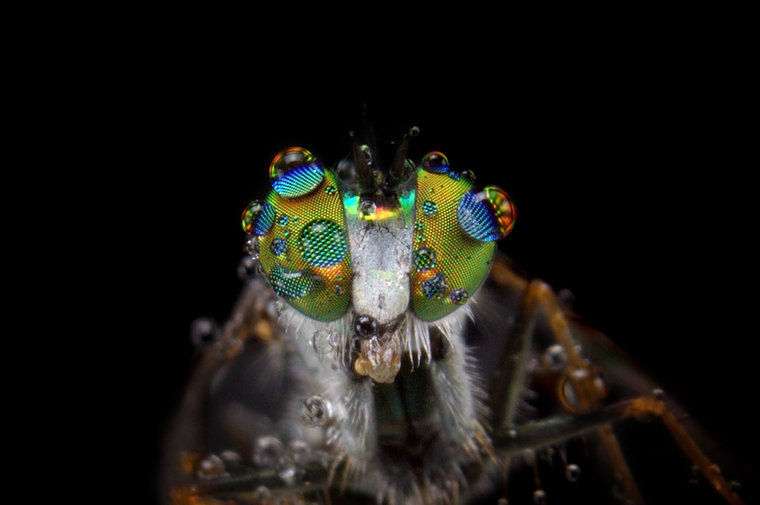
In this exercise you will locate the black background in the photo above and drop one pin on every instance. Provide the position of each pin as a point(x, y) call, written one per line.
point(622, 171)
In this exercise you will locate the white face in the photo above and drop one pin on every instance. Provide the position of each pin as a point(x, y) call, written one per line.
point(381, 253)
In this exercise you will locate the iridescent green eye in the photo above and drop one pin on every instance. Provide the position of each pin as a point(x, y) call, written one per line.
point(304, 250)
point(454, 244)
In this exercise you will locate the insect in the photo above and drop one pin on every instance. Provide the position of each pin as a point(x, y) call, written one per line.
point(355, 367)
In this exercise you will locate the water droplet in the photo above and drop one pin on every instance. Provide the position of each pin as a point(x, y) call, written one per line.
point(365, 326)
point(486, 216)
point(555, 357)
point(247, 268)
point(278, 246)
point(435, 162)
point(433, 287)
point(429, 208)
point(291, 284)
point(459, 296)
point(300, 452)
point(468, 176)
point(316, 411)
point(330, 190)
point(323, 243)
point(454, 175)
point(735, 486)
point(251, 247)
point(257, 218)
point(287, 475)
point(203, 331)
point(210, 467)
point(295, 172)
point(232, 460)
point(512, 433)
point(658, 394)
point(283, 220)
point(367, 152)
point(338, 289)
point(334, 340)
point(539, 497)
point(424, 259)
point(572, 472)
point(261, 493)
point(419, 226)
point(267, 451)
point(367, 207)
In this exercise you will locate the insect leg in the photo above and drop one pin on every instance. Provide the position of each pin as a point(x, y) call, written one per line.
point(580, 376)
point(553, 430)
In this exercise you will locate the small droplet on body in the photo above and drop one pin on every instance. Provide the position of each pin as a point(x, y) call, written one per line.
point(278, 246)
point(251, 247)
point(435, 162)
point(210, 467)
point(367, 207)
point(316, 411)
point(555, 357)
point(424, 259)
point(459, 296)
point(572, 472)
point(261, 493)
point(232, 460)
point(539, 497)
point(267, 451)
point(203, 331)
point(429, 207)
point(247, 268)
point(287, 475)
point(658, 394)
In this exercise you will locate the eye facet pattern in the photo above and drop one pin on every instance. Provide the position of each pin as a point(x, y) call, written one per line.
point(455, 229)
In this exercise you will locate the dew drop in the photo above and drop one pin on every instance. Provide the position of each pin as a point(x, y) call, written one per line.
point(257, 218)
point(278, 246)
point(555, 357)
point(459, 296)
point(468, 176)
point(323, 243)
point(539, 497)
point(658, 394)
point(232, 460)
point(330, 190)
point(210, 467)
point(247, 268)
point(419, 226)
point(300, 452)
point(287, 475)
point(338, 289)
point(203, 331)
point(367, 207)
point(295, 172)
point(267, 451)
point(435, 162)
point(251, 247)
point(572, 472)
point(261, 494)
point(486, 216)
point(283, 220)
point(429, 207)
point(424, 259)
point(316, 411)
point(433, 287)
point(455, 175)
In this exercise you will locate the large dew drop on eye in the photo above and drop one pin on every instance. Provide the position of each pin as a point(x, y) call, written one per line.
point(323, 243)
point(435, 162)
point(257, 218)
point(295, 172)
point(486, 216)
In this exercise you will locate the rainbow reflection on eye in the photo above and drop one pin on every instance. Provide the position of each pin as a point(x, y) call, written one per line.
point(257, 218)
point(488, 215)
point(295, 172)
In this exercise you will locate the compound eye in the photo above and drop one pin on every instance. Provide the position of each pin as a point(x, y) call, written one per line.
point(302, 238)
point(455, 229)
